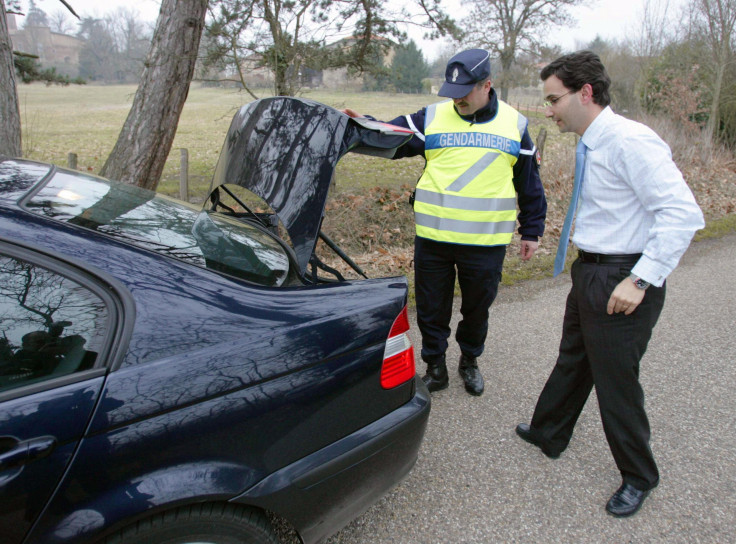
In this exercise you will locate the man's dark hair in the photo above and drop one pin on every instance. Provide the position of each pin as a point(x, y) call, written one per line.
point(579, 68)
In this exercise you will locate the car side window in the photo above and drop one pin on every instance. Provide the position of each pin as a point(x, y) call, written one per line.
point(50, 325)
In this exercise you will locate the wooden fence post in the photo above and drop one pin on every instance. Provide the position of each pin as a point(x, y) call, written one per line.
point(541, 138)
point(184, 175)
point(71, 160)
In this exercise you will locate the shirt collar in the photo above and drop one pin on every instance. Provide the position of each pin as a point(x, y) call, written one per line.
point(595, 130)
point(486, 113)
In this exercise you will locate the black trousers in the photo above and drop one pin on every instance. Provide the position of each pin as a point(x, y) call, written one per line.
point(604, 351)
point(478, 274)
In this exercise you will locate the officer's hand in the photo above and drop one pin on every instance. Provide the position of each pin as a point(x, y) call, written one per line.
point(351, 113)
point(527, 249)
point(625, 298)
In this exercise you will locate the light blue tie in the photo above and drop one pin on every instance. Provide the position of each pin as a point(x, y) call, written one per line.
point(565, 234)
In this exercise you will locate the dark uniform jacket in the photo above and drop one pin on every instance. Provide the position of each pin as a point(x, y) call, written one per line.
point(528, 185)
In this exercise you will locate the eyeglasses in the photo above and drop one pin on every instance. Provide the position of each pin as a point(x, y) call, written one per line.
point(552, 101)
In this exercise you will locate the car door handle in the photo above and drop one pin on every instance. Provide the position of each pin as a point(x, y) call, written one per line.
point(27, 450)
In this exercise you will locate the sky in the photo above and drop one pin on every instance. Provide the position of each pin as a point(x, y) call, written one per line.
point(609, 19)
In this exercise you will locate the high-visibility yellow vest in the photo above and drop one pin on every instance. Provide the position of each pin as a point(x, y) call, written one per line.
point(466, 194)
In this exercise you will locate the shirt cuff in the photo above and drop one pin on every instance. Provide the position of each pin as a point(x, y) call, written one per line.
point(651, 271)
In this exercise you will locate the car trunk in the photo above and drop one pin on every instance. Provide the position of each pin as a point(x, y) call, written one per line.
point(285, 151)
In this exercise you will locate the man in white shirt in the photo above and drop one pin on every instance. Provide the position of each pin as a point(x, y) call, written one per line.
point(636, 217)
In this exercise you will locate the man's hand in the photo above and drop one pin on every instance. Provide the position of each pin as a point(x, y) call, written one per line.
point(527, 249)
point(625, 298)
point(351, 113)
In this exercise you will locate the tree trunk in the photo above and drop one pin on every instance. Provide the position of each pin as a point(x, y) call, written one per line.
point(140, 152)
point(507, 60)
point(714, 117)
point(719, 17)
point(10, 142)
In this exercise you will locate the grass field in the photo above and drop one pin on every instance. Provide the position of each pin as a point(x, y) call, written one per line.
point(86, 120)
point(368, 213)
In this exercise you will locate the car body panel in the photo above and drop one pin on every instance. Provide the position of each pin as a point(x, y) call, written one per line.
point(27, 485)
point(149, 402)
point(354, 471)
point(209, 387)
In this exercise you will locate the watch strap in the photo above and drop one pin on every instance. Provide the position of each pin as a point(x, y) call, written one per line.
point(640, 283)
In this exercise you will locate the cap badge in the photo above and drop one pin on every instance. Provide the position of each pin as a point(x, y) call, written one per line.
point(455, 73)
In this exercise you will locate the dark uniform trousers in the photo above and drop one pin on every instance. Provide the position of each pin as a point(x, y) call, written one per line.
point(604, 351)
point(478, 274)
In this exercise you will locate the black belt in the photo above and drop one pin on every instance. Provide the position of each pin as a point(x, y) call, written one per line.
point(599, 258)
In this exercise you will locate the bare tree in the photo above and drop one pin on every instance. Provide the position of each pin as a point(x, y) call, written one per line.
point(126, 29)
point(114, 47)
point(132, 41)
point(653, 32)
point(719, 19)
point(144, 143)
point(284, 36)
point(508, 27)
point(59, 22)
point(98, 55)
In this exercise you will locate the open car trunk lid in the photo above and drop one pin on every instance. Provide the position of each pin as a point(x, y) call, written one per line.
point(285, 150)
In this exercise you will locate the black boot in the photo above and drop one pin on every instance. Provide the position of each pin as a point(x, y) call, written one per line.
point(471, 375)
point(436, 378)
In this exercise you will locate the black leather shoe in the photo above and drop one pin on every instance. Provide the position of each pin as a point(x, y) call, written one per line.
point(470, 374)
point(525, 432)
point(626, 501)
point(436, 378)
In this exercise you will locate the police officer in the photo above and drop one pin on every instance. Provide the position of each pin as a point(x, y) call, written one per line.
point(479, 160)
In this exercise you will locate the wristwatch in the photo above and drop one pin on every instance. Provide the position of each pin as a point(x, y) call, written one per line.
point(640, 283)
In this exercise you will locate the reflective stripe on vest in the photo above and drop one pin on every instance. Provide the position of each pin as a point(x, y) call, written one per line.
point(466, 193)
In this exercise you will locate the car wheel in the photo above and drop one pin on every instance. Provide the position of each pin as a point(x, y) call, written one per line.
point(200, 524)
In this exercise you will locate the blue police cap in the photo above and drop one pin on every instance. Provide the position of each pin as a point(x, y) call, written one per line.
point(464, 70)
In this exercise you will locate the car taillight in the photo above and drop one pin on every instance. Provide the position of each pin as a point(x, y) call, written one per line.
point(398, 357)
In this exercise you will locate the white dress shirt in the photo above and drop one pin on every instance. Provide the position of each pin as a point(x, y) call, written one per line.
point(633, 198)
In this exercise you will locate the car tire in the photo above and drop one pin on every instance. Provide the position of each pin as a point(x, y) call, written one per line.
point(200, 524)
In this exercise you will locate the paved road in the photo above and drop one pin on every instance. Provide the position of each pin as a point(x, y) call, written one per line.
point(477, 482)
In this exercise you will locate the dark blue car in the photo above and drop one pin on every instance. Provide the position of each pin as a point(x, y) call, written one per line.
point(172, 373)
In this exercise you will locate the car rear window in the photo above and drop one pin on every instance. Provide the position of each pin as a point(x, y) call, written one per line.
point(16, 178)
point(167, 226)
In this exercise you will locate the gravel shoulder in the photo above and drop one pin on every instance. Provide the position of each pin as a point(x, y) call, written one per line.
point(476, 482)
